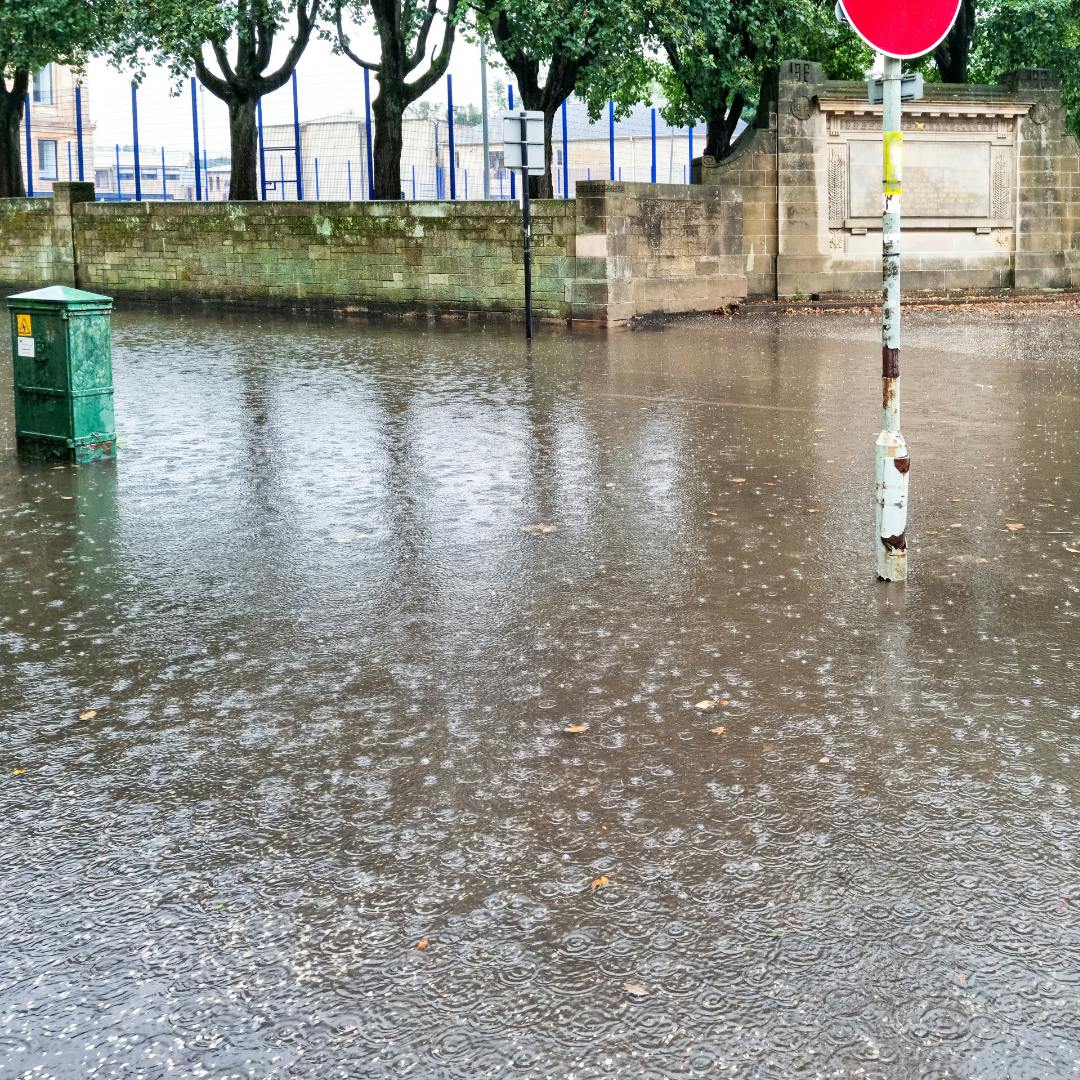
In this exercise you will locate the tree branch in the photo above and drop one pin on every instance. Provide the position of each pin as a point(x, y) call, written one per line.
point(343, 41)
point(414, 58)
point(305, 22)
point(439, 60)
point(217, 86)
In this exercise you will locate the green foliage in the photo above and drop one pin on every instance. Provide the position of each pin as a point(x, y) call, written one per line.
point(1012, 34)
point(34, 33)
point(720, 53)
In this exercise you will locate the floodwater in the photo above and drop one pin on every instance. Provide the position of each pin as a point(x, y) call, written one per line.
point(285, 789)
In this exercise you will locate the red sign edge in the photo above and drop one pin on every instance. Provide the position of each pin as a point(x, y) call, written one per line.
point(901, 56)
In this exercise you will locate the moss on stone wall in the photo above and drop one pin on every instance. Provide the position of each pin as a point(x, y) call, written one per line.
point(402, 256)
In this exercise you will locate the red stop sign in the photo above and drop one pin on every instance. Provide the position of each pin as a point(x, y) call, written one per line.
point(903, 28)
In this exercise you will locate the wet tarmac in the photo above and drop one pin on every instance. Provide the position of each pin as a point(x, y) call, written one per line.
point(285, 785)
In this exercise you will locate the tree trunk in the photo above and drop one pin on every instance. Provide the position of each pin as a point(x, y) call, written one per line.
point(12, 185)
point(951, 56)
point(720, 127)
point(541, 187)
point(716, 144)
point(244, 143)
point(386, 146)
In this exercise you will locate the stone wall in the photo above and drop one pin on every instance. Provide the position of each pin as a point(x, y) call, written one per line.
point(425, 257)
point(36, 244)
point(991, 196)
point(644, 248)
point(647, 249)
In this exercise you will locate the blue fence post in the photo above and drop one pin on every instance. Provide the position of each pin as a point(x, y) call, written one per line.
point(316, 179)
point(501, 171)
point(565, 156)
point(281, 174)
point(611, 137)
point(29, 150)
point(78, 129)
point(135, 140)
point(450, 134)
point(348, 173)
point(70, 177)
point(652, 138)
point(118, 187)
point(466, 185)
point(438, 167)
point(513, 179)
point(195, 131)
point(414, 183)
point(367, 136)
point(262, 150)
point(296, 133)
point(164, 185)
point(690, 144)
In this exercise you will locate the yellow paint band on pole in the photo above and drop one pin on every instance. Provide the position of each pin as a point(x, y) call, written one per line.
point(893, 142)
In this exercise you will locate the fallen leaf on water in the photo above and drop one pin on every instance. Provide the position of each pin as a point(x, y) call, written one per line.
point(724, 701)
point(635, 990)
point(88, 715)
point(599, 883)
point(1075, 551)
point(712, 513)
point(67, 498)
point(961, 979)
point(956, 525)
point(813, 510)
point(575, 729)
point(421, 945)
point(719, 729)
point(1013, 526)
point(738, 480)
point(823, 761)
point(609, 485)
point(706, 704)
point(17, 772)
point(539, 530)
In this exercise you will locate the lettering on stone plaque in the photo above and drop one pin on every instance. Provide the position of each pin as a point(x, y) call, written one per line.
point(837, 186)
point(941, 179)
point(798, 70)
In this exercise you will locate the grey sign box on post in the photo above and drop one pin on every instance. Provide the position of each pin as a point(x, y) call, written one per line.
point(513, 157)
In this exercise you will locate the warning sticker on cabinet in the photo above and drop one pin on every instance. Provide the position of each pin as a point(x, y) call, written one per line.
point(24, 326)
point(26, 346)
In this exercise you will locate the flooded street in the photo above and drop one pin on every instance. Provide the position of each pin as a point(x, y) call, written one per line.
point(285, 785)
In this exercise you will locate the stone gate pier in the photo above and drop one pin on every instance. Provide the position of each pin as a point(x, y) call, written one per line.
point(991, 188)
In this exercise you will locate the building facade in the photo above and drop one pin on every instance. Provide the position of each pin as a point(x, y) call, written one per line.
point(53, 131)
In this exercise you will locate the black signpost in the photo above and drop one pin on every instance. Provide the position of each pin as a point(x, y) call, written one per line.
point(523, 131)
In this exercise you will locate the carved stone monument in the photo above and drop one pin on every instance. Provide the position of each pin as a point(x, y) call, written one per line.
point(991, 188)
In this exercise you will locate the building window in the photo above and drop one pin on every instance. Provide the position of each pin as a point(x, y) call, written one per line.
point(43, 88)
point(46, 156)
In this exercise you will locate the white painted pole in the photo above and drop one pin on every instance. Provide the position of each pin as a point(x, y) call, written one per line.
point(892, 461)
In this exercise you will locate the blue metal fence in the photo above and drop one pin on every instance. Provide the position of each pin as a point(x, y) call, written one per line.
point(332, 157)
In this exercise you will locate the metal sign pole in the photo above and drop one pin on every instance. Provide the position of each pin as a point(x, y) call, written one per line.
point(892, 461)
point(527, 226)
point(484, 117)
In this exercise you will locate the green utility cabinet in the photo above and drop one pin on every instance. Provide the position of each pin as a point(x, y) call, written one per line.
point(61, 342)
